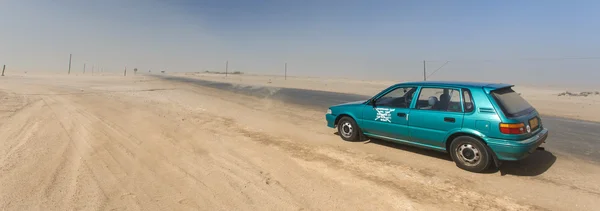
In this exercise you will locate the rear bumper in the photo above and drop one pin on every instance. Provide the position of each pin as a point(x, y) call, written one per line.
point(330, 120)
point(511, 150)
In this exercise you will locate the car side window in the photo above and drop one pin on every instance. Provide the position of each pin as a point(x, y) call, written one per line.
point(468, 101)
point(397, 98)
point(439, 99)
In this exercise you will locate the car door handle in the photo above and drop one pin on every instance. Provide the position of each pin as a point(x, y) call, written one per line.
point(449, 119)
point(401, 114)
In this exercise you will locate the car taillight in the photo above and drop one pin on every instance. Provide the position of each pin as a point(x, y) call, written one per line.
point(518, 128)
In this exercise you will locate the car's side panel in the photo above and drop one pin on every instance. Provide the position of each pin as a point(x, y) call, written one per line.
point(386, 121)
point(432, 127)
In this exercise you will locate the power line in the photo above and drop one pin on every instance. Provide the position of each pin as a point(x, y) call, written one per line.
point(438, 69)
point(516, 59)
point(522, 59)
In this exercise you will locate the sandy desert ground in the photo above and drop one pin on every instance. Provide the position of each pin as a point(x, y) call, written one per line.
point(544, 98)
point(142, 143)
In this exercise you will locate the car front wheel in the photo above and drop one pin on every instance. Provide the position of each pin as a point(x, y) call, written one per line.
point(348, 129)
point(470, 154)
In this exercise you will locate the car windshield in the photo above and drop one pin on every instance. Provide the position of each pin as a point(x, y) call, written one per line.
point(511, 102)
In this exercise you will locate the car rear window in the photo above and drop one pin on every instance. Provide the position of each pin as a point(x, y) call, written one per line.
point(511, 102)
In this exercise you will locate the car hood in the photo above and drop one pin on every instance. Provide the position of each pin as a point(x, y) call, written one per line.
point(352, 103)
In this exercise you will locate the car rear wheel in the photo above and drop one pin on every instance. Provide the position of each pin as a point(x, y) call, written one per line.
point(470, 154)
point(348, 129)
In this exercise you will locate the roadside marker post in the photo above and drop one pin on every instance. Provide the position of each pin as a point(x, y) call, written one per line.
point(424, 71)
point(285, 74)
point(70, 57)
point(226, 67)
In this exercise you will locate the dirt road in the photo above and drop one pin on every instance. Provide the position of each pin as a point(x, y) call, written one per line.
point(140, 143)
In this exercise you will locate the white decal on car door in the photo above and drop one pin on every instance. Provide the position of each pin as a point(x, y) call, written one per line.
point(384, 114)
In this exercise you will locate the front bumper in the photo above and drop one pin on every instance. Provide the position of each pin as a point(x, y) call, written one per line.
point(330, 120)
point(511, 150)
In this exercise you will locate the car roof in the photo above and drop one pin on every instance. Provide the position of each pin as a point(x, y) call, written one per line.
point(457, 83)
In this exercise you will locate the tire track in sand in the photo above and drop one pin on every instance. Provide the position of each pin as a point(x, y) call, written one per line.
point(69, 171)
point(89, 142)
point(127, 151)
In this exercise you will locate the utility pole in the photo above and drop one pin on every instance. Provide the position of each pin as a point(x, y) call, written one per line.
point(424, 71)
point(3, 68)
point(83, 68)
point(70, 56)
point(125, 73)
point(285, 74)
point(226, 67)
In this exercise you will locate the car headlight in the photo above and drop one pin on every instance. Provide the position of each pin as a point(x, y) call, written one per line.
point(329, 111)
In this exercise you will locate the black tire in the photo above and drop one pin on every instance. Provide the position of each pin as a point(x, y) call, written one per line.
point(348, 129)
point(470, 154)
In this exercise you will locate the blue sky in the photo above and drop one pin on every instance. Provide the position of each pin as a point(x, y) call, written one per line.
point(484, 40)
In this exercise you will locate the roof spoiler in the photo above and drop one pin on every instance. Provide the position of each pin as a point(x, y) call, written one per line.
point(491, 87)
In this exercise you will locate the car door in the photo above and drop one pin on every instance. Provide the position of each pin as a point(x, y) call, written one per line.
point(437, 111)
point(387, 116)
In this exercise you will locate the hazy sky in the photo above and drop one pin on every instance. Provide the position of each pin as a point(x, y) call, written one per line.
point(484, 40)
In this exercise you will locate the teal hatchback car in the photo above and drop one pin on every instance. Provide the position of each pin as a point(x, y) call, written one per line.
point(478, 124)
